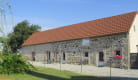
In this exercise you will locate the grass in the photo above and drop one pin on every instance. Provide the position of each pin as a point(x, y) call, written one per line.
point(49, 74)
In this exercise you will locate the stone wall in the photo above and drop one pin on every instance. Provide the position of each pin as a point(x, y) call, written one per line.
point(74, 51)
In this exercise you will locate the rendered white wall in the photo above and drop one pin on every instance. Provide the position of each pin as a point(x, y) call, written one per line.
point(133, 36)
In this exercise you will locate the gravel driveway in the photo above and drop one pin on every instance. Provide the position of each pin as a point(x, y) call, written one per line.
point(131, 74)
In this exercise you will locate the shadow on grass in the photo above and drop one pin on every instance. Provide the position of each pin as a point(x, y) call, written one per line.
point(124, 78)
point(51, 77)
point(88, 78)
point(101, 78)
point(45, 76)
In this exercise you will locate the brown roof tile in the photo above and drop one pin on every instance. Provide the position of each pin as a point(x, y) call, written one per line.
point(99, 27)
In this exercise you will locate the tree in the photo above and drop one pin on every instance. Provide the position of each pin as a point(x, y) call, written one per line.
point(20, 33)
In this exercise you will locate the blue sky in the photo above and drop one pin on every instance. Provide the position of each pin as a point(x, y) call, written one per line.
point(56, 13)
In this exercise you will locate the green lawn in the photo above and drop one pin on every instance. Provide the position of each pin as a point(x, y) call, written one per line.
point(49, 74)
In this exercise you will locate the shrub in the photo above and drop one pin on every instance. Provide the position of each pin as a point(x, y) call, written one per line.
point(14, 63)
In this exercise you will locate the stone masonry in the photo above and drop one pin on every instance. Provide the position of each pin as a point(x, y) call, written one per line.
point(72, 51)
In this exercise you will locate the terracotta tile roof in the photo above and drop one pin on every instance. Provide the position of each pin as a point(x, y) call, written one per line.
point(99, 27)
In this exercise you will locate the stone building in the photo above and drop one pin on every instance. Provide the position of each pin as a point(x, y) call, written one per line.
point(94, 42)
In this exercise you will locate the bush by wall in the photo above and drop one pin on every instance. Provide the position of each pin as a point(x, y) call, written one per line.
point(14, 63)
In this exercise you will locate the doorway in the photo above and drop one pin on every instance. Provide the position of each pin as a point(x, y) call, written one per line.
point(86, 58)
point(33, 56)
point(48, 57)
point(63, 57)
point(101, 59)
point(134, 60)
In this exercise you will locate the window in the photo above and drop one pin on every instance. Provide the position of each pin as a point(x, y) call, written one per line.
point(64, 56)
point(85, 42)
point(134, 28)
point(118, 55)
point(118, 52)
point(86, 54)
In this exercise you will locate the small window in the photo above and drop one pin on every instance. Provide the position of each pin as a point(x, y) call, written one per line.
point(85, 42)
point(118, 53)
point(134, 28)
point(86, 54)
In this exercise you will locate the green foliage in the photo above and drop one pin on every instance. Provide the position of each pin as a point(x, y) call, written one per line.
point(1, 55)
point(6, 47)
point(20, 33)
point(14, 63)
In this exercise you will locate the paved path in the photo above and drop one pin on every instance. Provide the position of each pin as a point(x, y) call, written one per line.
point(131, 74)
